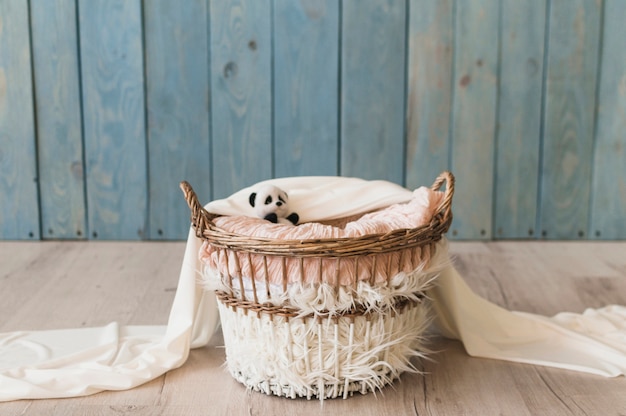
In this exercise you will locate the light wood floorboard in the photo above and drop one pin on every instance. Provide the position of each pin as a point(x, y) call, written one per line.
point(49, 285)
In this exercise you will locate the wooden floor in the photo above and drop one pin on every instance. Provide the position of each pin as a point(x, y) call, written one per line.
point(49, 285)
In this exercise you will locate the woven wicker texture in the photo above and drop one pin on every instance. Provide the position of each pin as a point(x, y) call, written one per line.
point(289, 345)
point(334, 269)
point(202, 221)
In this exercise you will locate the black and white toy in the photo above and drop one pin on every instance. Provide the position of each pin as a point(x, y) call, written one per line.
point(271, 203)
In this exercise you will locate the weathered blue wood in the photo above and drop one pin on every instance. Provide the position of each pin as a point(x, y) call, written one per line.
point(474, 117)
point(429, 90)
point(114, 121)
point(59, 134)
point(177, 79)
point(19, 213)
point(355, 92)
point(306, 87)
point(608, 202)
point(241, 99)
point(373, 89)
point(519, 118)
point(573, 43)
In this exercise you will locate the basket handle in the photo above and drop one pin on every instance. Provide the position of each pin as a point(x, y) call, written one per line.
point(445, 209)
point(200, 217)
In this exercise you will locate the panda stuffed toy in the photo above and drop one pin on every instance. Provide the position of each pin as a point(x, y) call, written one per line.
point(270, 203)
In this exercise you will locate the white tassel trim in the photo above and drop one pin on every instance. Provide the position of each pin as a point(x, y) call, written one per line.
point(323, 358)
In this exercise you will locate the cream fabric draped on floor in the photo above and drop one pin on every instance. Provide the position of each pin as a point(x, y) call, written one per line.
point(82, 361)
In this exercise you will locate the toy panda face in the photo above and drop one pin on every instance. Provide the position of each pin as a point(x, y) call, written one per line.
point(270, 199)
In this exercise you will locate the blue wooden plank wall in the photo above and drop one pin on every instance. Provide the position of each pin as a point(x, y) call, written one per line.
point(105, 105)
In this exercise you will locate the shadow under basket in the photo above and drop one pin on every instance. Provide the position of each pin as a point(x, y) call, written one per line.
point(285, 350)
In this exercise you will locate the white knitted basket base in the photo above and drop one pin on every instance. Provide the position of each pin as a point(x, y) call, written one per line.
point(323, 357)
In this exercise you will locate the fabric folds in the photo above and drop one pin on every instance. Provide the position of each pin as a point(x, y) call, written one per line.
point(82, 361)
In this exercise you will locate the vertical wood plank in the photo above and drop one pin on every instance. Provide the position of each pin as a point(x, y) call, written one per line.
point(519, 118)
point(241, 101)
point(114, 119)
point(429, 98)
point(306, 85)
point(569, 118)
point(373, 89)
point(59, 134)
point(608, 202)
point(19, 211)
point(177, 82)
point(474, 116)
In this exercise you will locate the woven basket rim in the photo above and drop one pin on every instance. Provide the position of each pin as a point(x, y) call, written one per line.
point(368, 244)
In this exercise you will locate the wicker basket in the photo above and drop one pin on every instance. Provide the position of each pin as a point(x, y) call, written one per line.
point(282, 340)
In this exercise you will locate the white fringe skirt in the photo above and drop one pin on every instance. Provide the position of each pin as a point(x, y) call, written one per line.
point(323, 357)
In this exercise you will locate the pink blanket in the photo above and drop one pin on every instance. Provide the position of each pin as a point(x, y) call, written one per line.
point(347, 271)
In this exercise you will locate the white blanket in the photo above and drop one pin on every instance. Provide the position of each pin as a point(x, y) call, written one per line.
point(76, 362)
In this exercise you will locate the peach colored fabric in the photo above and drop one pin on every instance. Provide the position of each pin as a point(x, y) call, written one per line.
point(347, 271)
